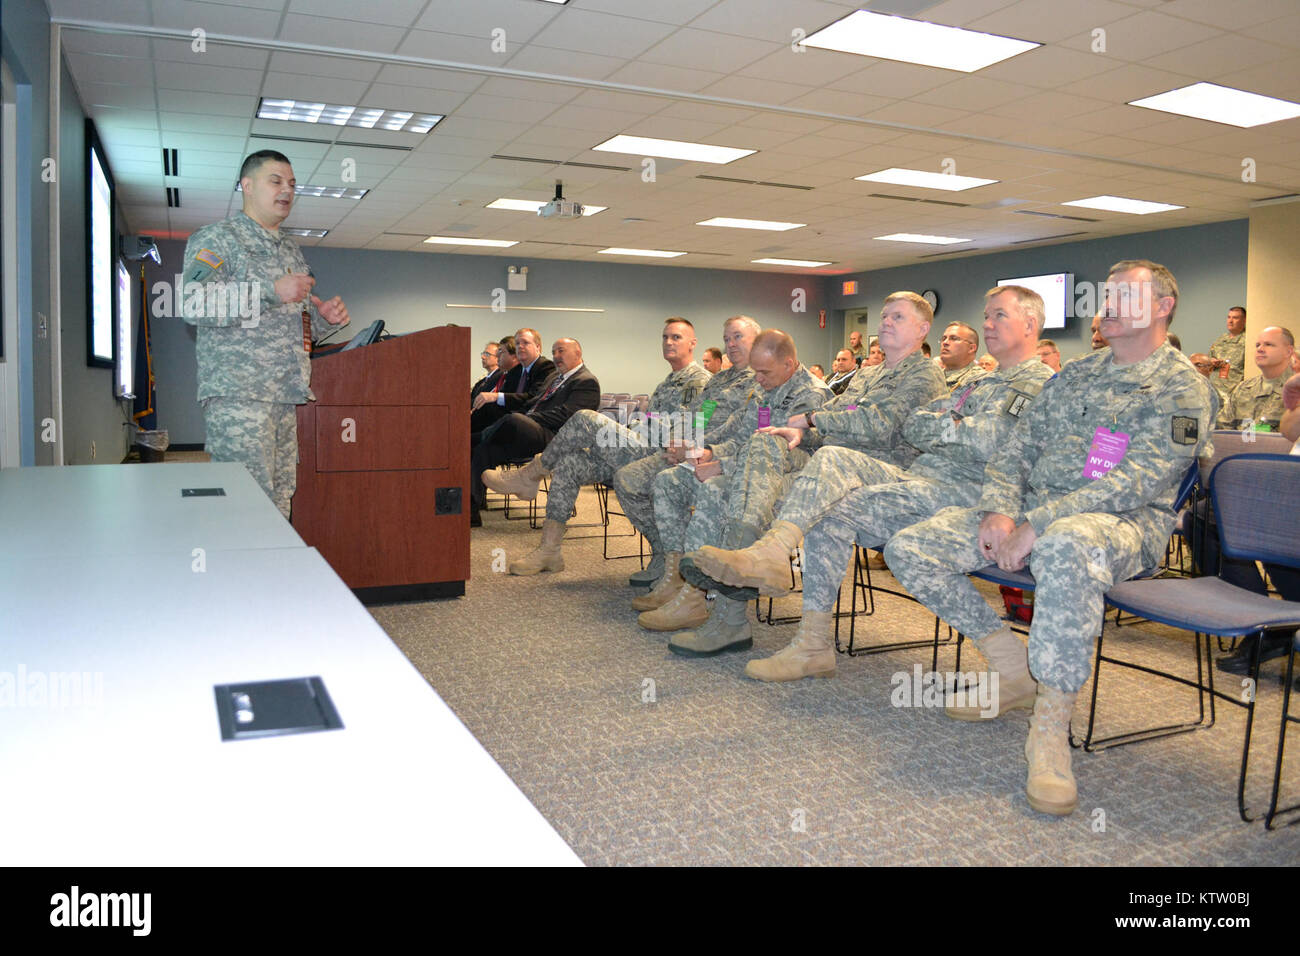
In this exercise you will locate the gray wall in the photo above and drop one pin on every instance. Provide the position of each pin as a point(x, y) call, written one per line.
point(1208, 261)
point(410, 290)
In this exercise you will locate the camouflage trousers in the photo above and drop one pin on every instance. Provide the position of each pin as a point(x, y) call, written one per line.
point(1074, 562)
point(590, 447)
point(868, 516)
point(261, 436)
point(634, 485)
point(828, 478)
point(679, 498)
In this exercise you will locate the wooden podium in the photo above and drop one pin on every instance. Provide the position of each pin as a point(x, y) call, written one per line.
point(383, 466)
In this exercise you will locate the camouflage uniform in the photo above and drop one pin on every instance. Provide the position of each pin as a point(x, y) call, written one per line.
point(591, 447)
point(1231, 349)
point(843, 495)
point(765, 468)
point(253, 369)
point(961, 377)
point(729, 391)
point(1092, 532)
point(1257, 399)
point(677, 491)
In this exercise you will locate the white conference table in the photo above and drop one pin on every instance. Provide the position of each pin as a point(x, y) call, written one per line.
point(134, 509)
point(139, 775)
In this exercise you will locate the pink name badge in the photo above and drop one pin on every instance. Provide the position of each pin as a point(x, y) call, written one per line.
point(850, 408)
point(764, 417)
point(1106, 452)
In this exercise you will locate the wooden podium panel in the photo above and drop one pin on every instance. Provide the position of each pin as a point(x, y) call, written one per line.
point(381, 452)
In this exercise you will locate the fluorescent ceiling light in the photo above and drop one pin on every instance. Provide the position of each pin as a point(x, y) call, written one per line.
point(1221, 104)
point(466, 241)
point(652, 253)
point(672, 149)
point(801, 263)
point(300, 111)
point(305, 233)
point(924, 180)
point(1138, 207)
point(532, 205)
point(919, 237)
point(751, 224)
point(915, 41)
point(321, 192)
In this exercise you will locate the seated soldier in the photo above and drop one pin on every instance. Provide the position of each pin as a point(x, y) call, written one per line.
point(1257, 402)
point(1082, 492)
point(724, 395)
point(767, 462)
point(843, 493)
point(591, 447)
point(785, 387)
point(957, 350)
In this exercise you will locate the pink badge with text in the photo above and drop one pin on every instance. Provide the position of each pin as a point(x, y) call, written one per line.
point(1106, 452)
point(764, 417)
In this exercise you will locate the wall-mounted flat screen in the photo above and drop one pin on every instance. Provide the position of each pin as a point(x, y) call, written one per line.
point(100, 257)
point(1057, 290)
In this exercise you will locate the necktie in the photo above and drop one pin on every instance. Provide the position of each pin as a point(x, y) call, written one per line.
point(523, 380)
point(552, 389)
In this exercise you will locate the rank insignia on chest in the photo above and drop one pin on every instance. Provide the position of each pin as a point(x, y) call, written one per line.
point(1185, 430)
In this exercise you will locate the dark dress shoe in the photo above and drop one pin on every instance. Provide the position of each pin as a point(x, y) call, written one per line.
point(1276, 644)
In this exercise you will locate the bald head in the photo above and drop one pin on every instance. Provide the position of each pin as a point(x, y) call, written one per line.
point(773, 358)
point(1273, 348)
point(567, 355)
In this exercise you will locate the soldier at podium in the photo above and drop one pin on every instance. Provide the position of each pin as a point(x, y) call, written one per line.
point(256, 315)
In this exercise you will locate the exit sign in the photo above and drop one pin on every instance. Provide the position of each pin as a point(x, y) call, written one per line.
point(850, 288)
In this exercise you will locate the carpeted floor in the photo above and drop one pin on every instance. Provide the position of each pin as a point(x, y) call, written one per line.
point(637, 756)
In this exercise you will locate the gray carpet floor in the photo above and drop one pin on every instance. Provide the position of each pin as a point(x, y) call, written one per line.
point(637, 756)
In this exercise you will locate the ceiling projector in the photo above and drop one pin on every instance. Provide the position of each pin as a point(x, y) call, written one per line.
point(559, 207)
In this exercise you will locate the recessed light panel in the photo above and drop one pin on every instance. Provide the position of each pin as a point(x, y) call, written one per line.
point(925, 180)
point(650, 253)
point(363, 117)
point(769, 225)
point(321, 192)
point(915, 41)
point(1221, 104)
point(305, 233)
point(1137, 207)
point(918, 237)
point(466, 241)
point(672, 149)
point(799, 263)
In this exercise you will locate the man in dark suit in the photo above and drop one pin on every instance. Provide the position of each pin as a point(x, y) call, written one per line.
point(522, 434)
point(536, 369)
point(494, 374)
point(483, 414)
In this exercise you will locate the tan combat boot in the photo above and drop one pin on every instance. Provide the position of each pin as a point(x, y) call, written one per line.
point(1050, 786)
point(1016, 687)
point(547, 557)
point(765, 564)
point(520, 482)
point(727, 629)
point(666, 589)
point(688, 609)
point(810, 654)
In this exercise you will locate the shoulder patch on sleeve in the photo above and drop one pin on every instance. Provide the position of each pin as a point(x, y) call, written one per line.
point(1016, 403)
point(1184, 430)
point(209, 258)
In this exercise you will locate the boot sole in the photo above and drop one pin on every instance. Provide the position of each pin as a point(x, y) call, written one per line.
point(1053, 809)
point(787, 680)
point(744, 645)
point(972, 715)
point(531, 571)
point(687, 625)
point(643, 582)
point(753, 582)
